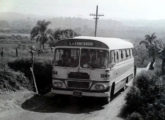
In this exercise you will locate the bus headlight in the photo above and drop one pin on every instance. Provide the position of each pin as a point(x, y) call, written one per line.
point(58, 84)
point(99, 86)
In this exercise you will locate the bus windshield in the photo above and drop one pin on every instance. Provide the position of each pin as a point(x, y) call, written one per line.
point(90, 58)
point(94, 58)
point(67, 57)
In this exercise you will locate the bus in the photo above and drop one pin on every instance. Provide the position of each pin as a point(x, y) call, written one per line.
point(92, 66)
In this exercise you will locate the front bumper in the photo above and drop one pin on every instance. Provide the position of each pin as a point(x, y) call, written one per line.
point(83, 93)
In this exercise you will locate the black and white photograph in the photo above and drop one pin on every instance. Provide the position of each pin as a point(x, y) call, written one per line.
point(82, 60)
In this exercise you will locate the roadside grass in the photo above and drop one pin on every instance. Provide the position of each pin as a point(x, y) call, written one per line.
point(11, 80)
point(13, 64)
point(42, 72)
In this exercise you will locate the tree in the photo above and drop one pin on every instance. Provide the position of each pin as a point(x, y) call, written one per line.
point(152, 46)
point(162, 56)
point(60, 35)
point(64, 34)
point(41, 33)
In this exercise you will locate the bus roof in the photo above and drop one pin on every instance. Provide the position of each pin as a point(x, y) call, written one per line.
point(112, 43)
point(98, 42)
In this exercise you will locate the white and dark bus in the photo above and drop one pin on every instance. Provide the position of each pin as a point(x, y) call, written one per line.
point(92, 66)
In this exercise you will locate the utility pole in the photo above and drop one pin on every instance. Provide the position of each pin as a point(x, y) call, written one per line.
point(96, 17)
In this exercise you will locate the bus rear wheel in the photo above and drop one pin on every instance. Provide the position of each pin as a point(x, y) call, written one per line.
point(125, 86)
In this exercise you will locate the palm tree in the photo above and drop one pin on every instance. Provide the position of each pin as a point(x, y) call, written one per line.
point(150, 43)
point(41, 33)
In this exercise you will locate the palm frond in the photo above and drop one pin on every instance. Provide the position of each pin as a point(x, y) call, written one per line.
point(153, 36)
point(34, 32)
point(143, 42)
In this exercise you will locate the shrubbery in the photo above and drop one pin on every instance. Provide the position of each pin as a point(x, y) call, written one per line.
point(42, 72)
point(145, 98)
point(11, 80)
point(134, 116)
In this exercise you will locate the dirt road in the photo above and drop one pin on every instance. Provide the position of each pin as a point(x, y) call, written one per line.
point(25, 105)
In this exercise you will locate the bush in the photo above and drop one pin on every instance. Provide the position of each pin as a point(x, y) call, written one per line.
point(11, 80)
point(146, 98)
point(22, 65)
point(42, 72)
point(146, 82)
point(135, 116)
point(156, 110)
point(133, 100)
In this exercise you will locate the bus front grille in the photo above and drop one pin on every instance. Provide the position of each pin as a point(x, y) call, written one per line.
point(78, 75)
point(78, 85)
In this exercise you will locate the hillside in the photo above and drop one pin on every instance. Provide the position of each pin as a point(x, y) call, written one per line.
point(19, 23)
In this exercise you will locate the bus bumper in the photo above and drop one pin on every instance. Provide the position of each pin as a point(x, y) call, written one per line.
point(80, 93)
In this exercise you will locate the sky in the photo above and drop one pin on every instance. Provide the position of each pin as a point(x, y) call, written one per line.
point(112, 9)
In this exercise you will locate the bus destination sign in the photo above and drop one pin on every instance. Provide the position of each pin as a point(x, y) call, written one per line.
point(81, 43)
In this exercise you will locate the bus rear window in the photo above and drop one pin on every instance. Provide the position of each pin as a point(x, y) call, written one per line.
point(67, 57)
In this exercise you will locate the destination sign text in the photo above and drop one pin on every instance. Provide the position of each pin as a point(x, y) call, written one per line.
point(80, 43)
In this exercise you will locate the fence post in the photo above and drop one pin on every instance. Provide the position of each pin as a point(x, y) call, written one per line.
point(2, 53)
point(16, 52)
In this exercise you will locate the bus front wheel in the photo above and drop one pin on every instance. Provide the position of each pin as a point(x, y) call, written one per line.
point(112, 91)
point(106, 100)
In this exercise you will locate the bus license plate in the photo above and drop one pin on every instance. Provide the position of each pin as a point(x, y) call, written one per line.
point(77, 93)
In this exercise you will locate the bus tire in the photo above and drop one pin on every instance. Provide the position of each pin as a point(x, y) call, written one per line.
point(112, 91)
point(135, 70)
point(106, 100)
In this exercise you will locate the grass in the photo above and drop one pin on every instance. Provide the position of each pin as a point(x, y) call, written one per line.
point(22, 62)
point(12, 80)
point(42, 72)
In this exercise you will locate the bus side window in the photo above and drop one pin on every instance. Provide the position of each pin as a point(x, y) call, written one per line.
point(119, 51)
point(117, 56)
point(112, 57)
point(131, 52)
point(122, 55)
point(126, 53)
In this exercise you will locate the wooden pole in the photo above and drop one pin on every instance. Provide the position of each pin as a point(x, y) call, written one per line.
point(96, 17)
point(34, 80)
